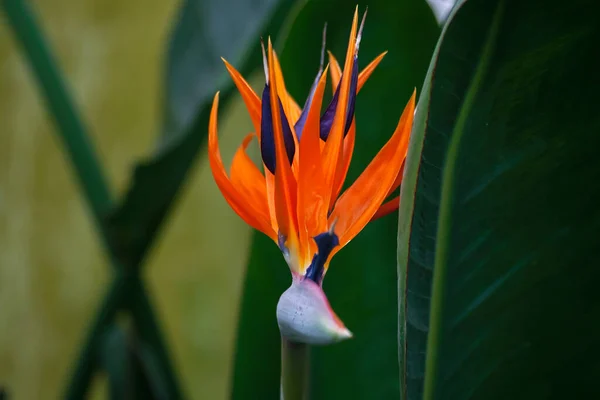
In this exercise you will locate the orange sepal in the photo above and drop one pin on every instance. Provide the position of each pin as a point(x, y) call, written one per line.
point(251, 99)
point(285, 183)
point(291, 108)
point(391, 205)
point(342, 171)
point(363, 76)
point(248, 179)
point(368, 70)
point(387, 208)
point(252, 213)
point(312, 210)
point(333, 150)
point(359, 203)
point(398, 179)
point(336, 72)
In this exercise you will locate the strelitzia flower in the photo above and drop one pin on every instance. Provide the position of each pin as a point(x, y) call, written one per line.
point(296, 202)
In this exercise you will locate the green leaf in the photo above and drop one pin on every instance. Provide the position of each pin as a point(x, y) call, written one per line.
point(205, 31)
point(115, 360)
point(504, 154)
point(361, 283)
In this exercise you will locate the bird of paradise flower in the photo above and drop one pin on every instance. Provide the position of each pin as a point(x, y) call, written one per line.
point(306, 156)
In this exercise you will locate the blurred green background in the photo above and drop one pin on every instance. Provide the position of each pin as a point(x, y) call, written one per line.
point(52, 280)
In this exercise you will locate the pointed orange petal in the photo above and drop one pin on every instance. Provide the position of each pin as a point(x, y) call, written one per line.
point(250, 98)
point(285, 183)
point(350, 137)
point(248, 180)
point(333, 150)
point(359, 203)
point(312, 211)
point(253, 215)
point(368, 70)
point(292, 109)
point(398, 179)
point(364, 75)
point(336, 72)
point(387, 208)
point(391, 205)
point(342, 171)
point(270, 183)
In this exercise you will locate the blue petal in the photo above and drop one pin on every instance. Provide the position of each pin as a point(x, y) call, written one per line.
point(325, 244)
point(267, 137)
point(327, 118)
point(299, 126)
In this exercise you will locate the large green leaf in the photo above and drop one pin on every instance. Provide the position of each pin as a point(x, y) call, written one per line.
point(505, 155)
point(205, 31)
point(361, 283)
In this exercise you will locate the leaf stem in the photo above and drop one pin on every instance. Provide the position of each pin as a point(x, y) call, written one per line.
point(295, 361)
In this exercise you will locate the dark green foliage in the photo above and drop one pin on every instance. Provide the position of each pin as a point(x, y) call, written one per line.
point(508, 130)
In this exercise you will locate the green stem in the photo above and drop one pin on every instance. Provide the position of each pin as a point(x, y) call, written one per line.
point(295, 361)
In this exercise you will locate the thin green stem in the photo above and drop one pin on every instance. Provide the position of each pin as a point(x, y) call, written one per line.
point(295, 361)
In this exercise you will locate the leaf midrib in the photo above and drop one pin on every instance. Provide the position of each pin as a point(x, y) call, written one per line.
point(443, 241)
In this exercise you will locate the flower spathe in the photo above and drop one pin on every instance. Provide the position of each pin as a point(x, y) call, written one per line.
point(296, 200)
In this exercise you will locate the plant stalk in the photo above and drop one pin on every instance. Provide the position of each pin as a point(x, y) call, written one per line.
point(295, 361)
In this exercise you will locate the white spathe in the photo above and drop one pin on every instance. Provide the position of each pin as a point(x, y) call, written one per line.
point(304, 315)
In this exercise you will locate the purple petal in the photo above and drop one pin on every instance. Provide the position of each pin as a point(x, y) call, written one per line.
point(267, 137)
point(328, 116)
point(325, 244)
point(299, 126)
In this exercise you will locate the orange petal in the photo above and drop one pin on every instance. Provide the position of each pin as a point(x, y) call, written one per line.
point(359, 203)
point(292, 110)
point(387, 208)
point(368, 70)
point(398, 179)
point(342, 171)
point(333, 150)
point(250, 98)
point(285, 183)
point(312, 211)
point(270, 183)
point(336, 72)
point(247, 178)
point(255, 214)
point(364, 75)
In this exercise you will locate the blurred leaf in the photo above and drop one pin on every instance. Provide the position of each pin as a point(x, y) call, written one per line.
point(205, 31)
point(509, 111)
point(150, 376)
point(361, 283)
point(114, 358)
point(132, 369)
